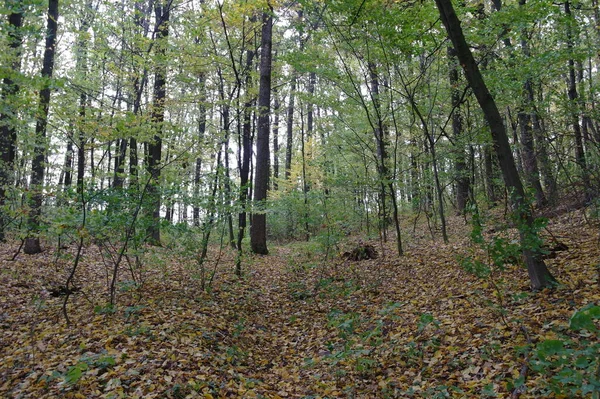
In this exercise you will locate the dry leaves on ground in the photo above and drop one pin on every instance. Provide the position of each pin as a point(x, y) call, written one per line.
point(295, 326)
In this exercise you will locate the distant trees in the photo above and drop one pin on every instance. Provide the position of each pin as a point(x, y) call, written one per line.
point(323, 120)
point(538, 272)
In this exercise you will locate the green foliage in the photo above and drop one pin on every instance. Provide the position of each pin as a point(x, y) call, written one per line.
point(584, 319)
point(345, 323)
point(570, 364)
point(100, 361)
point(499, 248)
point(299, 290)
point(105, 309)
point(425, 320)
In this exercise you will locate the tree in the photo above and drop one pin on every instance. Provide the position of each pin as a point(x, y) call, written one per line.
point(162, 14)
point(246, 155)
point(32, 242)
point(538, 272)
point(8, 131)
point(463, 182)
point(258, 228)
point(525, 117)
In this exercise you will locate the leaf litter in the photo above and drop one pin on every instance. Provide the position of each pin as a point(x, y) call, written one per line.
point(295, 326)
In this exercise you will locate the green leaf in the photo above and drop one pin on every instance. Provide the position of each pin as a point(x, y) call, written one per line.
point(584, 318)
point(75, 373)
point(550, 347)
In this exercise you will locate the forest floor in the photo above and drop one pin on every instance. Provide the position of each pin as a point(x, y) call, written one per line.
point(298, 325)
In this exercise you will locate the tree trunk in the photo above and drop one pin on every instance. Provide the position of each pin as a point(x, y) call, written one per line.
point(162, 13)
point(305, 188)
point(530, 167)
point(490, 178)
point(246, 155)
point(312, 77)
point(538, 272)
point(574, 105)
point(460, 166)
point(543, 158)
point(198, 165)
point(381, 148)
point(32, 242)
point(228, 196)
point(8, 133)
point(525, 116)
point(276, 106)
point(119, 168)
point(290, 127)
point(258, 230)
point(67, 178)
point(81, 54)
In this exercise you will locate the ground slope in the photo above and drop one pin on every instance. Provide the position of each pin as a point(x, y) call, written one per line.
point(297, 325)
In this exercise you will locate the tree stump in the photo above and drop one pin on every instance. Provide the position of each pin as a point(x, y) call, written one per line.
point(361, 252)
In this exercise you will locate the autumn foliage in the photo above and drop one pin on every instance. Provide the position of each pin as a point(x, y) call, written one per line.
point(298, 325)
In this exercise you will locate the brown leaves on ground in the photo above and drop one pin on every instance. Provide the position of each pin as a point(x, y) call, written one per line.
point(295, 326)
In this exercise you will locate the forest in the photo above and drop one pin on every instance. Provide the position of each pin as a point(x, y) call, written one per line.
point(299, 199)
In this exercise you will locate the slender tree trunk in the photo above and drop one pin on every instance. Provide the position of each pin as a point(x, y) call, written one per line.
point(67, 179)
point(198, 165)
point(530, 166)
point(246, 150)
point(415, 187)
point(258, 230)
point(133, 163)
point(8, 132)
point(227, 194)
point(81, 144)
point(543, 158)
point(538, 272)
point(438, 186)
point(81, 66)
point(290, 127)
point(162, 14)
point(460, 166)
point(312, 77)
point(304, 181)
point(276, 106)
point(119, 168)
point(490, 176)
point(381, 149)
point(514, 125)
point(32, 242)
point(574, 104)
point(142, 17)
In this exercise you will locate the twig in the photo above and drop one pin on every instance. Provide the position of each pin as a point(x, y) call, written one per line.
point(18, 251)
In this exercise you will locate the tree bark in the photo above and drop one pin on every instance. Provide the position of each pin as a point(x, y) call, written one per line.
point(81, 54)
point(539, 274)
point(276, 106)
point(574, 105)
point(162, 14)
point(258, 230)
point(67, 174)
point(460, 166)
point(198, 164)
point(246, 155)
point(290, 127)
point(525, 118)
point(8, 132)
point(32, 242)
